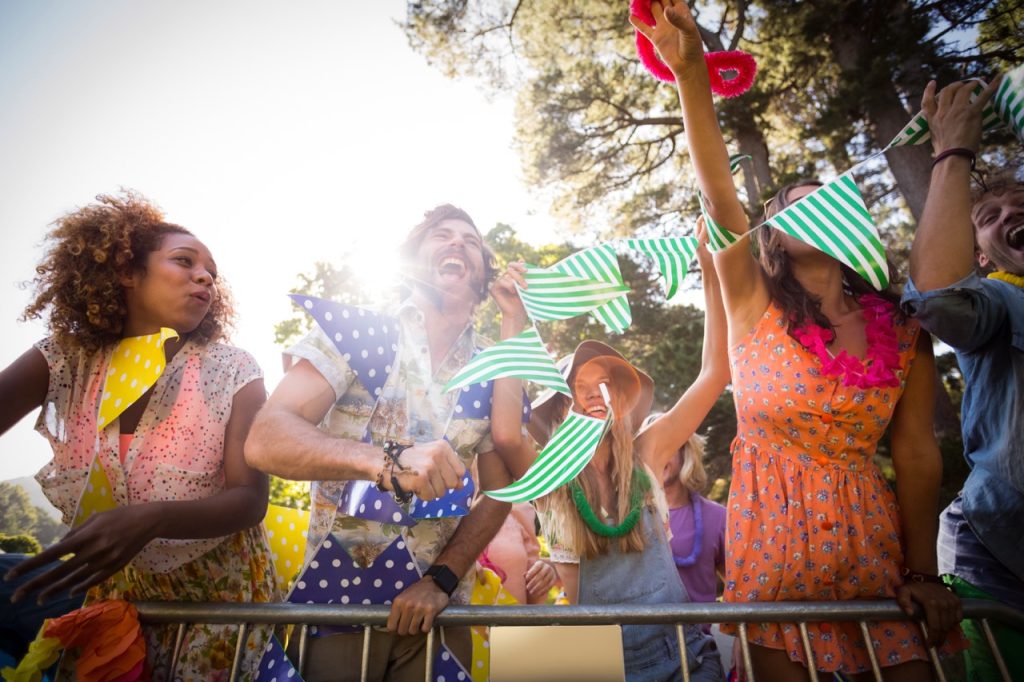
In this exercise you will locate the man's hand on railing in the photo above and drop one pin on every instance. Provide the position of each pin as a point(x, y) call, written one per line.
point(414, 609)
point(942, 609)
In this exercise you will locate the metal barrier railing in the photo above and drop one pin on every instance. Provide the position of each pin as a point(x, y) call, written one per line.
point(246, 615)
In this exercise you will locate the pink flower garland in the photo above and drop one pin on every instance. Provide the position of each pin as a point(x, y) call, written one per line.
point(718, 63)
point(883, 356)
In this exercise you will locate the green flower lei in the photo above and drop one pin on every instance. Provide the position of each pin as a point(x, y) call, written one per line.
point(639, 485)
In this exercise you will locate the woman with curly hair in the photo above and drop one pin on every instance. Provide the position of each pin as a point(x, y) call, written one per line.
point(821, 366)
point(187, 522)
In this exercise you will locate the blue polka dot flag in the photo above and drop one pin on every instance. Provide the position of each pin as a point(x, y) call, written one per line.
point(447, 668)
point(363, 500)
point(367, 340)
point(332, 576)
point(275, 666)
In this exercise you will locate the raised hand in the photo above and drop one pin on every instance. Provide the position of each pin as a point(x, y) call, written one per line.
point(953, 119)
point(504, 292)
point(674, 35)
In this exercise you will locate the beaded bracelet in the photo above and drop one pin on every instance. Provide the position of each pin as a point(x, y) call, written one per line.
point(910, 576)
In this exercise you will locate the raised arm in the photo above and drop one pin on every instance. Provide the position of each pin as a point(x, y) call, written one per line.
point(515, 448)
point(677, 40)
point(943, 250)
point(286, 442)
point(666, 435)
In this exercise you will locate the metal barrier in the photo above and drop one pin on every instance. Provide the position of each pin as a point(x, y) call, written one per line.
point(801, 613)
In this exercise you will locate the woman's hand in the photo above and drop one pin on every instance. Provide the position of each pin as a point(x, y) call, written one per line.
point(101, 547)
point(942, 609)
point(505, 294)
point(540, 578)
point(674, 35)
point(704, 257)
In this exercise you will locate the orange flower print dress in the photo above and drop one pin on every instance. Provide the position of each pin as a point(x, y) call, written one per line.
point(810, 517)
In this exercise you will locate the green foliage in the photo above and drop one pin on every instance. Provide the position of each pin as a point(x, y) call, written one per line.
point(294, 494)
point(326, 281)
point(19, 516)
point(20, 544)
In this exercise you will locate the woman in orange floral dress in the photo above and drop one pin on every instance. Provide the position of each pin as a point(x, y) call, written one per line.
point(821, 364)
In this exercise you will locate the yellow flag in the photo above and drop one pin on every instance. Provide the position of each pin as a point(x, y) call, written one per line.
point(137, 363)
point(286, 531)
point(98, 495)
point(488, 591)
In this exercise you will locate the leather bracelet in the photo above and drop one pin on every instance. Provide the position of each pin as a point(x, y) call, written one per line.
point(956, 151)
point(910, 576)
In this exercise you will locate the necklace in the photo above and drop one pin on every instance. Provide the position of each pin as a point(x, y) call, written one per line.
point(883, 354)
point(639, 485)
point(1015, 280)
point(698, 534)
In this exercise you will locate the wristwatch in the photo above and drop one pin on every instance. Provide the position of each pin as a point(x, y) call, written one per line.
point(443, 577)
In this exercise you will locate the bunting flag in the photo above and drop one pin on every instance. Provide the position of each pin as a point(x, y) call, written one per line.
point(286, 534)
point(367, 340)
point(719, 238)
point(135, 365)
point(835, 220)
point(275, 666)
point(600, 263)
point(673, 256)
point(363, 500)
point(917, 131)
point(571, 447)
point(555, 295)
point(447, 667)
point(334, 577)
point(522, 356)
point(97, 496)
point(487, 591)
point(1008, 102)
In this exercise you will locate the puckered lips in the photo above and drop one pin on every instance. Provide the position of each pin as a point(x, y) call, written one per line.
point(201, 296)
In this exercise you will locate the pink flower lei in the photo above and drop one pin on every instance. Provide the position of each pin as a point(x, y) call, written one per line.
point(883, 356)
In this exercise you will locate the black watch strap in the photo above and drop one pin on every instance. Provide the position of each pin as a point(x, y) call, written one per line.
point(444, 577)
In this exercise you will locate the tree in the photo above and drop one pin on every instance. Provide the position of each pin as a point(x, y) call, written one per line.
point(20, 544)
point(19, 516)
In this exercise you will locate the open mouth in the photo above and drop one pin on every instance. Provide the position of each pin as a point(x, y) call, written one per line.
point(597, 411)
point(453, 266)
point(1015, 237)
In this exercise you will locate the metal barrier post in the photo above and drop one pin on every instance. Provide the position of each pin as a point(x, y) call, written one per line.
point(179, 637)
point(428, 667)
point(748, 665)
point(812, 665)
point(303, 640)
point(933, 655)
point(996, 653)
point(681, 636)
point(869, 643)
point(364, 669)
point(236, 660)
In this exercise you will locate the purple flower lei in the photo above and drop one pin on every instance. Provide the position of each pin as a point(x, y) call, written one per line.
point(698, 534)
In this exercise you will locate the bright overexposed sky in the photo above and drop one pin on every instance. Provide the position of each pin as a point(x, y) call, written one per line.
point(281, 133)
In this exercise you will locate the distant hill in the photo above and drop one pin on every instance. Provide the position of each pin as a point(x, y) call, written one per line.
point(35, 494)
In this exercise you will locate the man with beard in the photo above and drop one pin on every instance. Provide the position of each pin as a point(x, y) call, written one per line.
point(982, 318)
point(363, 440)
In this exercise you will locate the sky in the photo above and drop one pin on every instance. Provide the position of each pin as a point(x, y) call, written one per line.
point(279, 133)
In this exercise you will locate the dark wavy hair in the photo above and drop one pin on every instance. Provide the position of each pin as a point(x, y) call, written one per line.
point(77, 286)
point(432, 219)
point(798, 304)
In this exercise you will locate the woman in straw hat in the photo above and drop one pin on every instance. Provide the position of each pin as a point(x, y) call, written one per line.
point(607, 528)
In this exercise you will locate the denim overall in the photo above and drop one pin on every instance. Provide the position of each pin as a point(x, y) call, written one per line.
point(649, 577)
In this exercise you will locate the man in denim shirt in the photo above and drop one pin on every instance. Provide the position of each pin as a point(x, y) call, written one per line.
point(983, 320)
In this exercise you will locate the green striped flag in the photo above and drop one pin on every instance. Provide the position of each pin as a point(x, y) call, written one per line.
point(1008, 101)
point(834, 220)
point(522, 356)
point(917, 131)
point(673, 256)
point(720, 238)
point(555, 295)
point(600, 263)
point(570, 449)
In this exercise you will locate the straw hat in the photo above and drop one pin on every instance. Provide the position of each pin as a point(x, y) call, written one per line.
point(549, 409)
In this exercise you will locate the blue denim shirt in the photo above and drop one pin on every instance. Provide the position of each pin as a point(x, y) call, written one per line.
point(983, 320)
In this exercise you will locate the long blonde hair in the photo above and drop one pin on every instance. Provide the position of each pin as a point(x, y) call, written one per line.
point(568, 526)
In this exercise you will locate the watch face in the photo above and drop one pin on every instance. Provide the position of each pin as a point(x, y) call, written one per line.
point(444, 577)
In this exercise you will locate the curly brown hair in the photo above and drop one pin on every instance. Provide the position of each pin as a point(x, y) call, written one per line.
point(78, 283)
point(798, 304)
